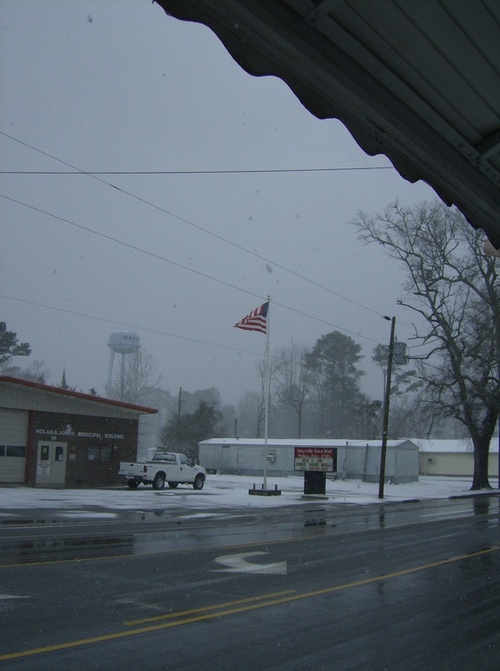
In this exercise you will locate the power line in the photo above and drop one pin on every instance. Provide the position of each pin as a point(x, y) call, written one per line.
point(126, 244)
point(262, 171)
point(196, 226)
point(239, 350)
point(177, 264)
point(158, 332)
point(131, 326)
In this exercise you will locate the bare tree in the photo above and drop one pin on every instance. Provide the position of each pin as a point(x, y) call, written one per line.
point(137, 380)
point(35, 372)
point(292, 379)
point(417, 417)
point(250, 414)
point(456, 289)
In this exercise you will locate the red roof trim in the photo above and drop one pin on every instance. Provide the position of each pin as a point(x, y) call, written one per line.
point(76, 394)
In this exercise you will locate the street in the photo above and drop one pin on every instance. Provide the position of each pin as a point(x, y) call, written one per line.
point(402, 586)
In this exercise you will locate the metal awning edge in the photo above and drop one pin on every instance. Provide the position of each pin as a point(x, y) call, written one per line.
point(481, 214)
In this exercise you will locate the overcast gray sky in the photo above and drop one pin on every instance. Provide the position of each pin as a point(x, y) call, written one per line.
point(178, 258)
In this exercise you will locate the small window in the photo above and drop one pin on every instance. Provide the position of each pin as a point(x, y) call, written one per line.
point(93, 454)
point(106, 454)
point(15, 451)
point(100, 454)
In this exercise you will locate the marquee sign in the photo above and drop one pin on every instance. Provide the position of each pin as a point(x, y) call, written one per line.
point(315, 459)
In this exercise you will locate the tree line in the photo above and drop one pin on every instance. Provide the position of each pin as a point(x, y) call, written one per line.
point(451, 390)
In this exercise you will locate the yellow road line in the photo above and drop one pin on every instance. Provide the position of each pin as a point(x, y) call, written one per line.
point(279, 598)
point(183, 613)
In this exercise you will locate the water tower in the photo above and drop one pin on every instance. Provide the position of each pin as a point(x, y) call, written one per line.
point(121, 342)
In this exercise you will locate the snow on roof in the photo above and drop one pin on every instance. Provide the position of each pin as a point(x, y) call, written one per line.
point(444, 445)
point(458, 446)
point(303, 442)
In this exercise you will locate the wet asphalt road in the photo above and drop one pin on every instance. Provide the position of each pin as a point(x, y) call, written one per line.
point(400, 586)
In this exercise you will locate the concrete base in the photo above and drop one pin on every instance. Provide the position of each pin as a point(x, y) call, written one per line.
point(264, 492)
point(314, 497)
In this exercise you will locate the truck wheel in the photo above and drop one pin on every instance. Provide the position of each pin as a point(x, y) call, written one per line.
point(133, 484)
point(173, 485)
point(159, 481)
point(199, 481)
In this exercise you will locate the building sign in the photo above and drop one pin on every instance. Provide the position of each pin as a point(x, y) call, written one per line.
point(68, 432)
point(315, 459)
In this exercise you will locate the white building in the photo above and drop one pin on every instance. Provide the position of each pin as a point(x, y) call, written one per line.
point(452, 457)
point(356, 459)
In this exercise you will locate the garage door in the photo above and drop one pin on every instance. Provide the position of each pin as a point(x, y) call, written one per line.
point(13, 439)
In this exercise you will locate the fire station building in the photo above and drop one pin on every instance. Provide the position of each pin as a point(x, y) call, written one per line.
point(53, 437)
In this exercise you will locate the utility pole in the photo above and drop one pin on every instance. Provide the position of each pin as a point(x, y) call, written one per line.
point(385, 428)
point(179, 404)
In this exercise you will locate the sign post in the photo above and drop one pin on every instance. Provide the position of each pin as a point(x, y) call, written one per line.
point(315, 462)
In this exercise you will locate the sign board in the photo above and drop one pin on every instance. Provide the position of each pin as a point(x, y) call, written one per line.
point(315, 459)
point(43, 468)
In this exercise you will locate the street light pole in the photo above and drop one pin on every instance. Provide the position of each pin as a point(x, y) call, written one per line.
point(387, 397)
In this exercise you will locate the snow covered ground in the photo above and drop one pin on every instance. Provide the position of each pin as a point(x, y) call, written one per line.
point(226, 491)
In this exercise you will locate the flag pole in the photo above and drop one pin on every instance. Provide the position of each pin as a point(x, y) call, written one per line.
point(267, 391)
point(258, 320)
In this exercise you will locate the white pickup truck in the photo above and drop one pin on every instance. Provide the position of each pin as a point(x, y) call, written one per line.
point(170, 467)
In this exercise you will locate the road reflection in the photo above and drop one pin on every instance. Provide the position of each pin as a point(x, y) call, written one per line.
point(481, 505)
point(147, 532)
point(65, 549)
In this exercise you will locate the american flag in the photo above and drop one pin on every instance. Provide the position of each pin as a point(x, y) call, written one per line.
point(256, 320)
